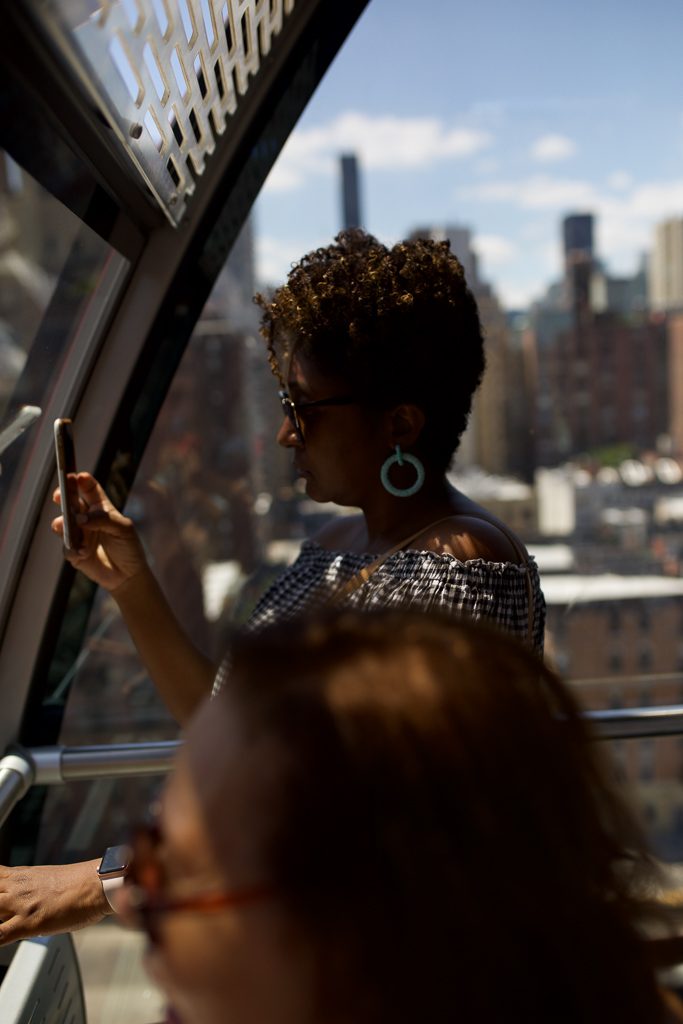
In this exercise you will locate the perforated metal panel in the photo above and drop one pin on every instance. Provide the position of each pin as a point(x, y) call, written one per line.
point(166, 75)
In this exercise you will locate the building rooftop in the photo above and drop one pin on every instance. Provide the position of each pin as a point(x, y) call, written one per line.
point(572, 588)
point(552, 557)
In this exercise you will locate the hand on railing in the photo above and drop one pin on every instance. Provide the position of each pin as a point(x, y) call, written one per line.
point(45, 900)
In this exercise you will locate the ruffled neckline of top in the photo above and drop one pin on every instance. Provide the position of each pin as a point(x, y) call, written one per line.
point(405, 553)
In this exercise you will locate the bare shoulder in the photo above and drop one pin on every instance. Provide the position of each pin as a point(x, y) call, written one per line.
point(468, 537)
point(340, 533)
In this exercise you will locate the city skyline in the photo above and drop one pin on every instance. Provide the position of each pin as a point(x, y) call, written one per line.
point(502, 121)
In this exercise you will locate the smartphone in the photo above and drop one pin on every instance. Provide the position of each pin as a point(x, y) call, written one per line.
point(65, 453)
point(26, 415)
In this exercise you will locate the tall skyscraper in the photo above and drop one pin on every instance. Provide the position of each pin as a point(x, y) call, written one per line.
point(350, 180)
point(577, 234)
point(665, 284)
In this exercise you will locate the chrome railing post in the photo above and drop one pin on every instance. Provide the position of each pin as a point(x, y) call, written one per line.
point(16, 778)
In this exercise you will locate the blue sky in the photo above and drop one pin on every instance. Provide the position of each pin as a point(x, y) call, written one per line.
point(495, 116)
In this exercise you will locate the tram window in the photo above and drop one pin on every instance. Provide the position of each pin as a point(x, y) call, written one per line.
point(214, 499)
point(652, 769)
point(613, 595)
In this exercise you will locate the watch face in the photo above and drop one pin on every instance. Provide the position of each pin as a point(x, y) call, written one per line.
point(115, 861)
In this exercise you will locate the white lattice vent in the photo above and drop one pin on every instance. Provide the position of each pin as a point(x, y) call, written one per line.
point(167, 75)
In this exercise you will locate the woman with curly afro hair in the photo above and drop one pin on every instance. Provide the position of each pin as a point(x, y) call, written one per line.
point(378, 352)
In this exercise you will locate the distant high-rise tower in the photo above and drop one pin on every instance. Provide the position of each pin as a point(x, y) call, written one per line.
point(351, 213)
point(665, 284)
point(577, 234)
point(577, 231)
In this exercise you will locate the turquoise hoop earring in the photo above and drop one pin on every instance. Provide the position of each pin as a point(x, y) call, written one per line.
point(399, 458)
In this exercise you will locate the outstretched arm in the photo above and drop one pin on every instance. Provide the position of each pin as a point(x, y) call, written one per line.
point(113, 557)
point(46, 900)
point(181, 673)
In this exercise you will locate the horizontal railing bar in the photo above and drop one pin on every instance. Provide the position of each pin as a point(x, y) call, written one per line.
point(637, 723)
point(639, 679)
point(22, 767)
point(114, 761)
point(48, 766)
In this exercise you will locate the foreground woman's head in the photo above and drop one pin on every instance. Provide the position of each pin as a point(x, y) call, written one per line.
point(412, 826)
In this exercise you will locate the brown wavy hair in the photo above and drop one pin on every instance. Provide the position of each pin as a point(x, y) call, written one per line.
point(445, 830)
point(397, 324)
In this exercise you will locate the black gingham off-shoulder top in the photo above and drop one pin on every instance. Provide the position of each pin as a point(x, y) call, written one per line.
point(497, 592)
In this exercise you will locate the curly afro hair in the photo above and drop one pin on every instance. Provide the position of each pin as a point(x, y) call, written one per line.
point(398, 324)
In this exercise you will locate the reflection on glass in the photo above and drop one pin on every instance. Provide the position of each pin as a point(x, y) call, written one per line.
point(50, 264)
point(36, 234)
point(652, 770)
point(215, 506)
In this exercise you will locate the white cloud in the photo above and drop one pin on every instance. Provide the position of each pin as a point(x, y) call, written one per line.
point(626, 224)
point(494, 249)
point(275, 256)
point(657, 199)
point(551, 148)
point(536, 193)
point(620, 181)
point(382, 143)
point(649, 200)
point(518, 296)
point(487, 166)
point(625, 219)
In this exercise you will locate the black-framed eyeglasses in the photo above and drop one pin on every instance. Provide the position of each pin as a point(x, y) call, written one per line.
point(146, 881)
point(293, 409)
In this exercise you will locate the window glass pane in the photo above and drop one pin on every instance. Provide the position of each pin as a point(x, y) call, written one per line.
point(50, 266)
point(549, 153)
point(652, 768)
point(215, 506)
point(115, 984)
point(575, 437)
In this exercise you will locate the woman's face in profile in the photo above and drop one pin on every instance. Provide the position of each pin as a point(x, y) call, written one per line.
point(244, 964)
point(343, 447)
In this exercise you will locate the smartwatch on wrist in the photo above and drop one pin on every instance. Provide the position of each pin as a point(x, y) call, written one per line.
point(112, 870)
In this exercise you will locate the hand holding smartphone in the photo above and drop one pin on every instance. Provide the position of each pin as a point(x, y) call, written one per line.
point(66, 463)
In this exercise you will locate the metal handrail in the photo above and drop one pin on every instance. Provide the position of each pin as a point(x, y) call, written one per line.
point(637, 723)
point(24, 767)
point(54, 765)
point(16, 778)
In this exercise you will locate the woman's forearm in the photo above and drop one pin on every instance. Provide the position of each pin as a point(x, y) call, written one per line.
point(180, 672)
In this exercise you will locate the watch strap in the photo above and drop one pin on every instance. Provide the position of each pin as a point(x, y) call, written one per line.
point(109, 887)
